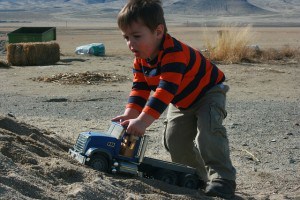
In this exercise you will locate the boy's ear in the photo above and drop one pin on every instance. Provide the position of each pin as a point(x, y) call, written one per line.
point(160, 30)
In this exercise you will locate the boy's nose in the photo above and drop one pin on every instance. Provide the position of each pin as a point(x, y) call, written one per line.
point(130, 44)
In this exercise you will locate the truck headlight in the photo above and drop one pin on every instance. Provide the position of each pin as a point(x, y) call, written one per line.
point(116, 164)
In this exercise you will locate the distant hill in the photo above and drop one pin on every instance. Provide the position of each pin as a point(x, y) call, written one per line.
point(258, 12)
point(207, 7)
point(280, 6)
point(212, 7)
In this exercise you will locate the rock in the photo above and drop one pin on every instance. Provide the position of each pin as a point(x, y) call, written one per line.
point(11, 115)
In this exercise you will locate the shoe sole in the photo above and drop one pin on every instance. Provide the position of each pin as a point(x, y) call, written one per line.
point(214, 193)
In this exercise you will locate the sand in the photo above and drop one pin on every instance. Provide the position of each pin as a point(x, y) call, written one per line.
point(40, 121)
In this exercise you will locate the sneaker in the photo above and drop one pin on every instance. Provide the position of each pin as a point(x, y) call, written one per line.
point(221, 188)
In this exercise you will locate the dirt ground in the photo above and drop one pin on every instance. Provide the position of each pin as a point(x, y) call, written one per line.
point(40, 121)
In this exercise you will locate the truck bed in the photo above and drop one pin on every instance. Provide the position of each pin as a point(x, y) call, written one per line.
point(153, 164)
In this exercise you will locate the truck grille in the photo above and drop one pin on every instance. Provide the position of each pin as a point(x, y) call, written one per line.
point(80, 143)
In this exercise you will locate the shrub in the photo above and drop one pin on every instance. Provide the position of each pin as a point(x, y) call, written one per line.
point(231, 46)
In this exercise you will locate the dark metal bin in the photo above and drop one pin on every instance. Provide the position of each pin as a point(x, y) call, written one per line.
point(32, 34)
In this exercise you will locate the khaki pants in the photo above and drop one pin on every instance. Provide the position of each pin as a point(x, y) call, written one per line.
point(197, 138)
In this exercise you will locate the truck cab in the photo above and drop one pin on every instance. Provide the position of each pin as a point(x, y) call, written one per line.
point(113, 151)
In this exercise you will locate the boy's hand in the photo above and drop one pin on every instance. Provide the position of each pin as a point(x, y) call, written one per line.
point(120, 118)
point(135, 127)
point(128, 114)
point(138, 125)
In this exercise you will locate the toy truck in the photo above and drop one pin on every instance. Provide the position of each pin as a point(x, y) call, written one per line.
point(116, 151)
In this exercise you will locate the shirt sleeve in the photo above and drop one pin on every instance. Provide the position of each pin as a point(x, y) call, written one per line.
point(140, 91)
point(173, 66)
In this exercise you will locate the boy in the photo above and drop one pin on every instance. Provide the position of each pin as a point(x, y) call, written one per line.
point(190, 85)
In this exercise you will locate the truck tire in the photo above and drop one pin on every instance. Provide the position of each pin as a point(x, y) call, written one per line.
point(189, 181)
point(166, 176)
point(99, 162)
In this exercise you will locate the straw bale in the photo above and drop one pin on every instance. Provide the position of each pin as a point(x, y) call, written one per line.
point(35, 53)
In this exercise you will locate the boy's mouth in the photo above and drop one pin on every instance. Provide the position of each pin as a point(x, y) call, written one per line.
point(135, 52)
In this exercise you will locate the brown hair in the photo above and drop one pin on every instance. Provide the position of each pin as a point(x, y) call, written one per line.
point(149, 12)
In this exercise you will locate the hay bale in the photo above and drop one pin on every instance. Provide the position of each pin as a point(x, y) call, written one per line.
point(35, 53)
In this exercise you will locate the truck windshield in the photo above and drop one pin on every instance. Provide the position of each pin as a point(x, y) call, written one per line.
point(116, 130)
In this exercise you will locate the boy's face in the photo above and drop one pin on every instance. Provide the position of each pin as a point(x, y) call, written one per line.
point(142, 41)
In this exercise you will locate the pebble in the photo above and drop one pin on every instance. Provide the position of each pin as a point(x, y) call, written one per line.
point(292, 161)
point(233, 125)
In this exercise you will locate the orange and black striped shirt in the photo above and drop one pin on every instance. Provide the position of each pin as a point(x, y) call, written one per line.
point(179, 75)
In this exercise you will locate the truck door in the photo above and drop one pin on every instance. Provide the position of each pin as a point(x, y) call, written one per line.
point(128, 145)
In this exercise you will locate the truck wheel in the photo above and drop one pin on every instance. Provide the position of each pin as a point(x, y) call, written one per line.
point(166, 176)
point(99, 162)
point(189, 181)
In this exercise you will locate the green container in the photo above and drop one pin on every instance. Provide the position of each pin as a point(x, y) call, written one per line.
point(32, 34)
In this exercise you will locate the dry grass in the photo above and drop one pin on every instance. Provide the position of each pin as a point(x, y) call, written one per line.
point(283, 53)
point(86, 78)
point(233, 45)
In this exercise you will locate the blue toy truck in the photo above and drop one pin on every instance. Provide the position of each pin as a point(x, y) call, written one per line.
point(119, 152)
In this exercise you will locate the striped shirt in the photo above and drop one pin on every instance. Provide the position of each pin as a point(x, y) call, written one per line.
point(179, 75)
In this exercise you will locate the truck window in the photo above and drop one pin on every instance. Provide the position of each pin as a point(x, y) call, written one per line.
point(116, 130)
point(128, 145)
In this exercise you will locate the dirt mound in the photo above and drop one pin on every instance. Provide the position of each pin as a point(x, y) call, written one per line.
point(34, 164)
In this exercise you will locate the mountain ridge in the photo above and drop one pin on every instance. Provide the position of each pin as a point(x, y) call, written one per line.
point(192, 12)
point(228, 7)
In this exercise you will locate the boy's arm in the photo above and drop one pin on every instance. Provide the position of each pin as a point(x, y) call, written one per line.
point(131, 113)
point(170, 79)
point(137, 97)
point(140, 91)
point(146, 119)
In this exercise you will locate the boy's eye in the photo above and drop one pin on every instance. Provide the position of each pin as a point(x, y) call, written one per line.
point(126, 38)
point(136, 36)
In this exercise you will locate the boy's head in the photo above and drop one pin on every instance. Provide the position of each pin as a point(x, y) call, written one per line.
point(148, 12)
